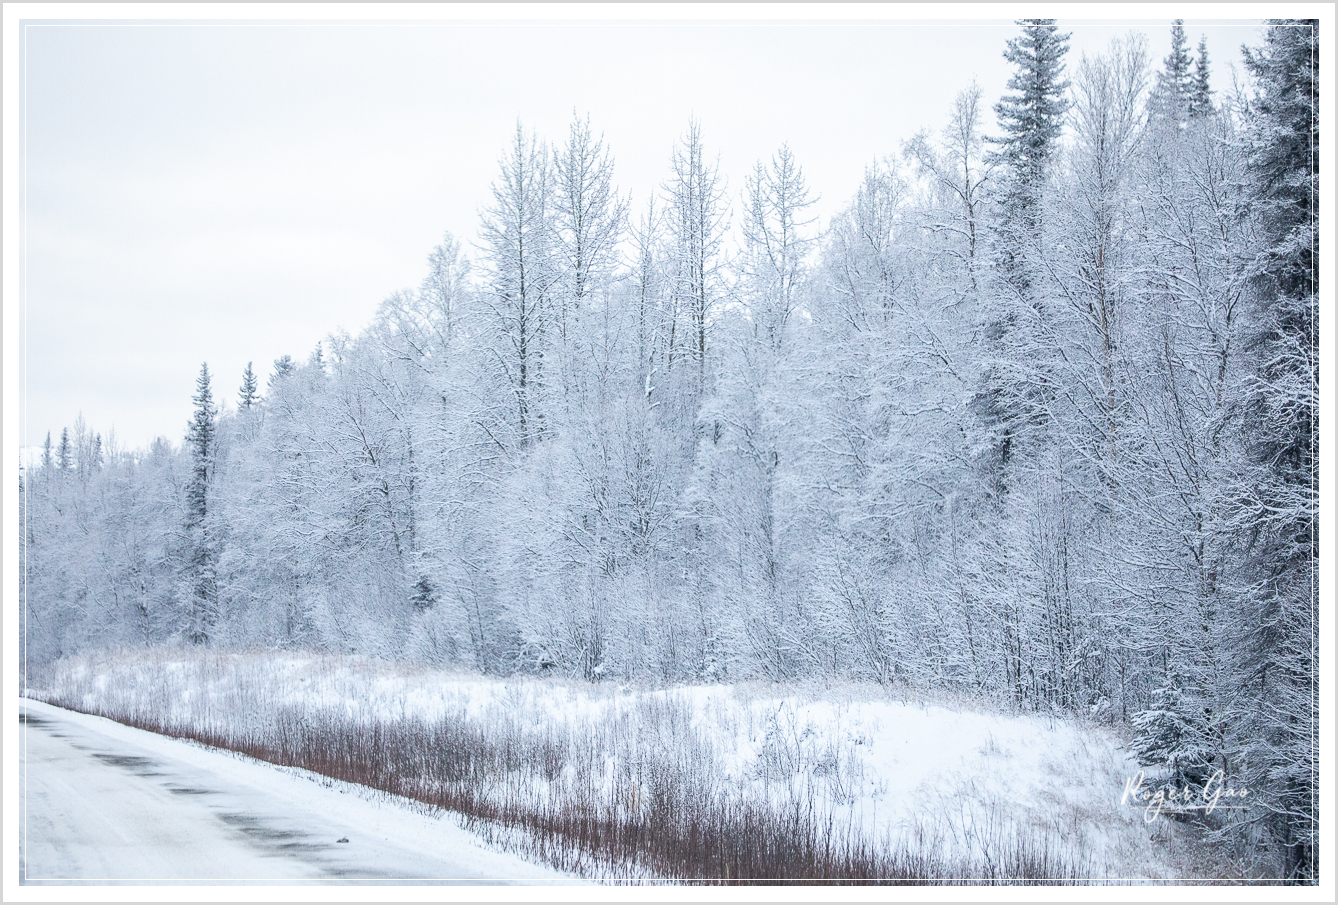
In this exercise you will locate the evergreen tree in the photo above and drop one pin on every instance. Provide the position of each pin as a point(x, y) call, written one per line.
point(424, 595)
point(1201, 94)
point(1279, 505)
point(249, 395)
point(1175, 83)
point(1176, 733)
point(1031, 118)
point(200, 440)
point(284, 368)
point(65, 452)
point(201, 558)
point(48, 460)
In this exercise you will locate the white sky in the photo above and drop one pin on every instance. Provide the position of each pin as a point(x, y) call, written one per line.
point(234, 192)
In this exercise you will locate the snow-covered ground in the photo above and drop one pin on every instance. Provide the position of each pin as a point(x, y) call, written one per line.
point(106, 803)
point(948, 775)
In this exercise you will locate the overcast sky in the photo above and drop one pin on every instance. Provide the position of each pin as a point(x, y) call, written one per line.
point(234, 192)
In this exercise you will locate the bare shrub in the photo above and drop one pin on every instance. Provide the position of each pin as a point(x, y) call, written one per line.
point(629, 788)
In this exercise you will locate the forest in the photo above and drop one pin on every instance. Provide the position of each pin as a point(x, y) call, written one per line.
point(1032, 419)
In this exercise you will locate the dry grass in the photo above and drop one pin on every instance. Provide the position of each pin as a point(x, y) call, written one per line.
point(634, 792)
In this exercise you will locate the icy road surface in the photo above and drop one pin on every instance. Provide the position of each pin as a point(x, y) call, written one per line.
point(105, 803)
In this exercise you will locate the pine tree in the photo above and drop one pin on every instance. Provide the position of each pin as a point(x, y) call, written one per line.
point(201, 558)
point(1201, 94)
point(48, 459)
point(1279, 506)
point(248, 395)
point(648, 281)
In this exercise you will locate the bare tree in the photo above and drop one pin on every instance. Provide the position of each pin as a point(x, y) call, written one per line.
point(517, 234)
point(695, 196)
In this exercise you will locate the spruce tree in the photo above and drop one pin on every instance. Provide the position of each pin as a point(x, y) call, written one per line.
point(1174, 82)
point(1174, 734)
point(1032, 120)
point(1279, 667)
point(284, 368)
point(65, 452)
point(48, 459)
point(1032, 117)
point(424, 595)
point(201, 558)
point(249, 394)
point(1201, 94)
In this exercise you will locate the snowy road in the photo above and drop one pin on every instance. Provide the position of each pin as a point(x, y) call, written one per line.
point(104, 803)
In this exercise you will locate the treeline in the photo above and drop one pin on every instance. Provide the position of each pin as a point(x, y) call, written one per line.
point(1032, 418)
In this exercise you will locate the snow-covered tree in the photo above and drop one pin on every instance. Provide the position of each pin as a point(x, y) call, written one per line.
point(957, 168)
point(1174, 90)
point(1201, 94)
point(697, 220)
point(588, 221)
point(1279, 494)
point(1015, 388)
point(1031, 119)
point(518, 252)
point(249, 394)
point(65, 451)
point(444, 291)
point(201, 575)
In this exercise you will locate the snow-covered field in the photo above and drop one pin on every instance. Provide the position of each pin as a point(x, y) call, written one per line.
point(947, 777)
